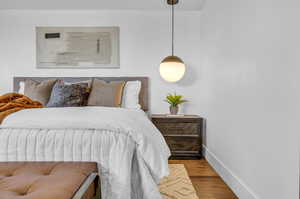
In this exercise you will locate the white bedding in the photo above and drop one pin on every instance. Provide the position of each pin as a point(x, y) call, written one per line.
point(132, 155)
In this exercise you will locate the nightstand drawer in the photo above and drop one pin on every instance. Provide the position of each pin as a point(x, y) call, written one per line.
point(167, 128)
point(183, 143)
point(182, 134)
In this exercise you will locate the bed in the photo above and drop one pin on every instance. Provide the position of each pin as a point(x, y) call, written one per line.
point(132, 155)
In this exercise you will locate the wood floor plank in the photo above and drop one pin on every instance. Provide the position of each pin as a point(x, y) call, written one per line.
point(196, 167)
point(212, 188)
point(206, 181)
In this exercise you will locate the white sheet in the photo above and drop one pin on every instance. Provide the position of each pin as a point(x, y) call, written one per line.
point(131, 152)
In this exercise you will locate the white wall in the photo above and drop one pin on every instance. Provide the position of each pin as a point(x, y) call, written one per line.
point(249, 93)
point(241, 77)
point(145, 41)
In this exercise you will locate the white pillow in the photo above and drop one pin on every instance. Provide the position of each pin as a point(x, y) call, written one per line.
point(131, 92)
point(22, 88)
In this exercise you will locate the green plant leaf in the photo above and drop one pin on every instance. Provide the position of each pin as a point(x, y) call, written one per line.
point(174, 100)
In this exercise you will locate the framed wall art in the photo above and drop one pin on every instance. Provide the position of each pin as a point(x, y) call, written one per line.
point(78, 47)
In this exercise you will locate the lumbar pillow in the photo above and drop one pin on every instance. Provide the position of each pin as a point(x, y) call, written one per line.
point(39, 91)
point(106, 94)
point(131, 94)
point(68, 95)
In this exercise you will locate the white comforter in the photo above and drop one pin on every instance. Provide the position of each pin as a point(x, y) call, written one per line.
point(132, 155)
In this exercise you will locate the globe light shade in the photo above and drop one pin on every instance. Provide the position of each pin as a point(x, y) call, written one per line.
point(172, 69)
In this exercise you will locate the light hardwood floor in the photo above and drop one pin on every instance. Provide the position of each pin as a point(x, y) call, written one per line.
point(206, 181)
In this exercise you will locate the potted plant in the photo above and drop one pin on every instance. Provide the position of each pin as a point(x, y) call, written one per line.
point(174, 101)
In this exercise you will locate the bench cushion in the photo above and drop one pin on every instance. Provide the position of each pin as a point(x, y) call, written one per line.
point(43, 180)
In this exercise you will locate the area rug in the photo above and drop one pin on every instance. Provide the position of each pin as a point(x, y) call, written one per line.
point(177, 185)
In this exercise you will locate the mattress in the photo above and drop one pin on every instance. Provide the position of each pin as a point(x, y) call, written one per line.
point(131, 153)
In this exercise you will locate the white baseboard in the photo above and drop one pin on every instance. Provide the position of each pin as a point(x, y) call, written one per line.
point(234, 182)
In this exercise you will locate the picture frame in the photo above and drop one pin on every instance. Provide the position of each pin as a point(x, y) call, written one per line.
point(77, 47)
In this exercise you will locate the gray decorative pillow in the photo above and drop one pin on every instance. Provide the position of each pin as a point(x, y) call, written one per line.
point(68, 95)
point(39, 91)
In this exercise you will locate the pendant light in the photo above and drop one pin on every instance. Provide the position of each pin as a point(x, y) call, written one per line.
point(172, 68)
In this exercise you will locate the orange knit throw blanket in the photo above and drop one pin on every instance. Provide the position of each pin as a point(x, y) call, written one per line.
point(13, 102)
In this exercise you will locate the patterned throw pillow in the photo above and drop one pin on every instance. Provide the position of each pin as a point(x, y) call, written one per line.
point(68, 95)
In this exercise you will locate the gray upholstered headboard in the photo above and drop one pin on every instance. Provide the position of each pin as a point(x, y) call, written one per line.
point(144, 94)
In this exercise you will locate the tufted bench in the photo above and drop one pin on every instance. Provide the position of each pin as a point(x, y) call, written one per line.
point(48, 180)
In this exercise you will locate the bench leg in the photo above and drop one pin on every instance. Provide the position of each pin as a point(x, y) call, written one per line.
point(84, 187)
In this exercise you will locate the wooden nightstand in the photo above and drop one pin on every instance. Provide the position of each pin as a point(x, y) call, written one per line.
point(183, 134)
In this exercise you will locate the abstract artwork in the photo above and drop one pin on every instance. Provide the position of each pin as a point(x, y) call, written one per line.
point(78, 47)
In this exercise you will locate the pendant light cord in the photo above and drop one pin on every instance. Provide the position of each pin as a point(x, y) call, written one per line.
point(173, 29)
